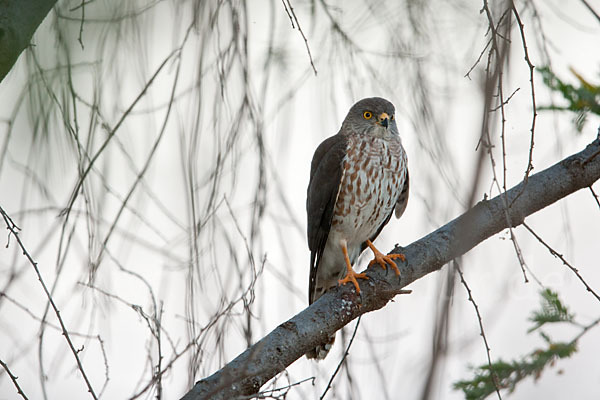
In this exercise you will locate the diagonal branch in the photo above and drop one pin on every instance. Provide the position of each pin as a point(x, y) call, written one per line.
point(292, 339)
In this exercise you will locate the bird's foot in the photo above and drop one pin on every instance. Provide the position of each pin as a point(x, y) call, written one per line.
point(383, 259)
point(351, 276)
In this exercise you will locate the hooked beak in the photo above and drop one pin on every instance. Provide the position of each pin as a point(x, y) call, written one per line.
point(383, 119)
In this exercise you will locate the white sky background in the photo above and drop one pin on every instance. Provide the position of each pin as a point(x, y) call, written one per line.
point(298, 111)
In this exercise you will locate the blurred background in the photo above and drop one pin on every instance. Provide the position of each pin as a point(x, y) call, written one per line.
point(156, 155)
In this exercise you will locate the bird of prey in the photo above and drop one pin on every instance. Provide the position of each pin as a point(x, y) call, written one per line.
point(358, 177)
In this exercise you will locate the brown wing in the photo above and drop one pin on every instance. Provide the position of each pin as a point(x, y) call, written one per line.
point(403, 198)
point(399, 207)
point(323, 189)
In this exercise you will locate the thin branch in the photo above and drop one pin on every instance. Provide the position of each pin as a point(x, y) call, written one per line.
point(106, 368)
point(142, 172)
point(500, 54)
point(156, 332)
point(533, 102)
point(505, 102)
point(292, 339)
point(346, 353)
point(159, 374)
point(113, 131)
point(38, 319)
point(585, 329)
point(440, 333)
point(591, 10)
point(80, 38)
point(481, 331)
point(14, 231)
point(595, 196)
point(468, 74)
point(149, 319)
point(565, 262)
point(83, 4)
point(14, 379)
point(272, 393)
point(289, 9)
point(72, 333)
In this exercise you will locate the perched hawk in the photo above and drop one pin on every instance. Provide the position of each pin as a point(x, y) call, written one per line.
point(357, 178)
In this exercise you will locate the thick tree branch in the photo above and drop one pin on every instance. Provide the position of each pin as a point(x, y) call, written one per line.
point(292, 339)
point(18, 21)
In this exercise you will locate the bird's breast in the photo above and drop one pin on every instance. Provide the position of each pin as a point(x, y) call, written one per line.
point(374, 173)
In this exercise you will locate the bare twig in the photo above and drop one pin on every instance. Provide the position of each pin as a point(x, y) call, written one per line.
point(289, 9)
point(14, 230)
point(499, 52)
point(481, 331)
point(143, 170)
point(13, 378)
point(113, 131)
point(148, 319)
point(36, 318)
point(585, 329)
point(565, 262)
point(80, 38)
point(82, 4)
point(72, 333)
point(468, 74)
point(346, 353)
point(505, 102)
point(273, 393)
point(531, 81)
point(595, 196)
point(157, 318)
point(159, 374)
point(106, 369)
point(440, 335)
point(591, 9)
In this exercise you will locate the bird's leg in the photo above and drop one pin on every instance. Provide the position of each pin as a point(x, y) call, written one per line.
point(383, 259)
point(350, 274)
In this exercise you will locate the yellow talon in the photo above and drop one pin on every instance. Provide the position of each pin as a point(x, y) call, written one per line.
point(383, 259)
point(350, 274)
point(351, 277)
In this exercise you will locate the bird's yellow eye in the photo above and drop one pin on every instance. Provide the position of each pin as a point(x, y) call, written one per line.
point(367, 114)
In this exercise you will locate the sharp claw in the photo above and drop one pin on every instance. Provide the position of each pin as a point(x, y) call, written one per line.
point(351, 277)
point(383, 260)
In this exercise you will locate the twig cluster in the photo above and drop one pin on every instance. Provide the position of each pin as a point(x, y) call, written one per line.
point(14, 231)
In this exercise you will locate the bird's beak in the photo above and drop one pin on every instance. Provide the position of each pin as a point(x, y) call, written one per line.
point(383, 119)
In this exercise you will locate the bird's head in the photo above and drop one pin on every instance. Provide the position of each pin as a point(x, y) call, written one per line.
point(371, 116)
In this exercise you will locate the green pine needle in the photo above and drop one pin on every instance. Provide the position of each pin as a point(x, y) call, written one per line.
point(582, 99)
point(552, 310)
point(506, 375)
